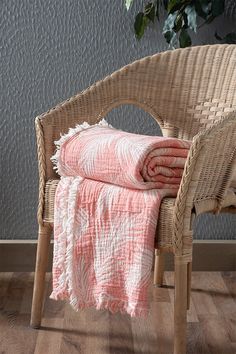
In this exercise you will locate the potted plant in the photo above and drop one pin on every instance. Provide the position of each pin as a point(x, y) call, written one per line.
point(181, 17)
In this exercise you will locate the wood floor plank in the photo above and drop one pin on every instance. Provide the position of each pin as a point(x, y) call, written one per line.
point(155, 334)
point(225, 304)
point(97, 324)
point(25, 307)
point(196, 339)
point(14, 295)
point(52, 308)
point(85, 331)
point(73, 338)
point(163, 324)
point(216, 334)
point(144, 336)
point(120, 335)
point(5, 279)
point(16, 337)
point(211, 321)
point(15, 290)
point(230, 281)
point(201, 294)
point(49, 336)
point(234, 347)
point(219, 293)
point(14, 326)
point(230, 323)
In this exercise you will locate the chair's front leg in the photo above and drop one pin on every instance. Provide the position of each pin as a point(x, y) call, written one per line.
point(180, 310)
point(189, 284)
point(44, 237)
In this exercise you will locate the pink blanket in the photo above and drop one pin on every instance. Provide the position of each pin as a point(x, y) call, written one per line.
point(106, 211)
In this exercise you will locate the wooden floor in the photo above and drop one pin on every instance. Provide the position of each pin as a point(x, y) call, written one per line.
point(211, 321)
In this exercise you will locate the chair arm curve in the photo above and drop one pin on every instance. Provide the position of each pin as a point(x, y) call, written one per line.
point(207, 176)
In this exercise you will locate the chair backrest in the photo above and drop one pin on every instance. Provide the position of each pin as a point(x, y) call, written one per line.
point(185, 90)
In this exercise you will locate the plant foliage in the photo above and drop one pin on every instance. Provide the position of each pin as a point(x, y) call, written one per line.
point(181, 18)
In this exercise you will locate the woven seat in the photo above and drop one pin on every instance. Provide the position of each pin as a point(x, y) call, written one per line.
point(165, 230)
point(164, 234)
point(191, 93)
point(50, 190)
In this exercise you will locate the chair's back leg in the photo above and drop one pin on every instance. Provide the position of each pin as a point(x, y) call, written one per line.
point(159, 266)
point(180, 311)
point(40, 271)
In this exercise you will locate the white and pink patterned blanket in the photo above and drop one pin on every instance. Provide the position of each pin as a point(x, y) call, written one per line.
point(106, 211)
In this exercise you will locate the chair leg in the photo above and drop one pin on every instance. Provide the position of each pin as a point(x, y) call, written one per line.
point(189, 284)
point(159, 268)
point(44, 236)
point(180, 311)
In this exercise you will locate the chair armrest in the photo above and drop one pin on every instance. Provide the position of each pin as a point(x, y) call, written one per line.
point(207, 176)
point(211, 205)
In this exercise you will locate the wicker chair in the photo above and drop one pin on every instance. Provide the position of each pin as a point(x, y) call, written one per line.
point(190, 93)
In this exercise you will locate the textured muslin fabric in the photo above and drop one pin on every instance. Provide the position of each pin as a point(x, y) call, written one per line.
point(106, 154)
point(106, 211)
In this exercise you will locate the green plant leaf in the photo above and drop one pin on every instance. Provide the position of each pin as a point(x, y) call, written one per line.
point(149, 11)
point(206, 6)
point(185, 17)
point(128, 3)
point(165, 3)
point(184, 39)
point(218, 37)
point(171, 38)
point(158, 9)
point(170, 22)
point(179, 22)
point(201, 9)
point(230, 38)
point(168, 36)
point(140, 24)
point(192, 17)
point(181, 15)
point(174, 5)
point(217, 7)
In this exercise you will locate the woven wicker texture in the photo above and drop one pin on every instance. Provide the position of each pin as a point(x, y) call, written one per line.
point(187, 91)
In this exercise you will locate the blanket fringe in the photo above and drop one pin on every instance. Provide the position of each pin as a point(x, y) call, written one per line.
point(114, 306)
point(65, 137)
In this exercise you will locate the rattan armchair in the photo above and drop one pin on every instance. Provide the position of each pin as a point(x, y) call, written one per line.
point(191, 93)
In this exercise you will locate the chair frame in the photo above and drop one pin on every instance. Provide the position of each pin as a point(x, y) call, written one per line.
point(201, 188)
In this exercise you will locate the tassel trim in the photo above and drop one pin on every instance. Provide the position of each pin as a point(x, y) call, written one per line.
point(57, 166)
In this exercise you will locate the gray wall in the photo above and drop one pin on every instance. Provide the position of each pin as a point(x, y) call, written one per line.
point(49, 51)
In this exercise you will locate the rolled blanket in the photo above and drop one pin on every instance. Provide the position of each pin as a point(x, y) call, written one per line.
point(105, 154)
point(106, 211)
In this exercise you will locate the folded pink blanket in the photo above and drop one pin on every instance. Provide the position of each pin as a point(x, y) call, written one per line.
point(106, 211)
point(105, 154)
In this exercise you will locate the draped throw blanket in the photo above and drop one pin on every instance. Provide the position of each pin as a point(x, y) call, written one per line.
point(106, 210)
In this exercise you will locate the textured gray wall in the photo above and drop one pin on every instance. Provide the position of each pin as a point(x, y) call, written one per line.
point(49, 51)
